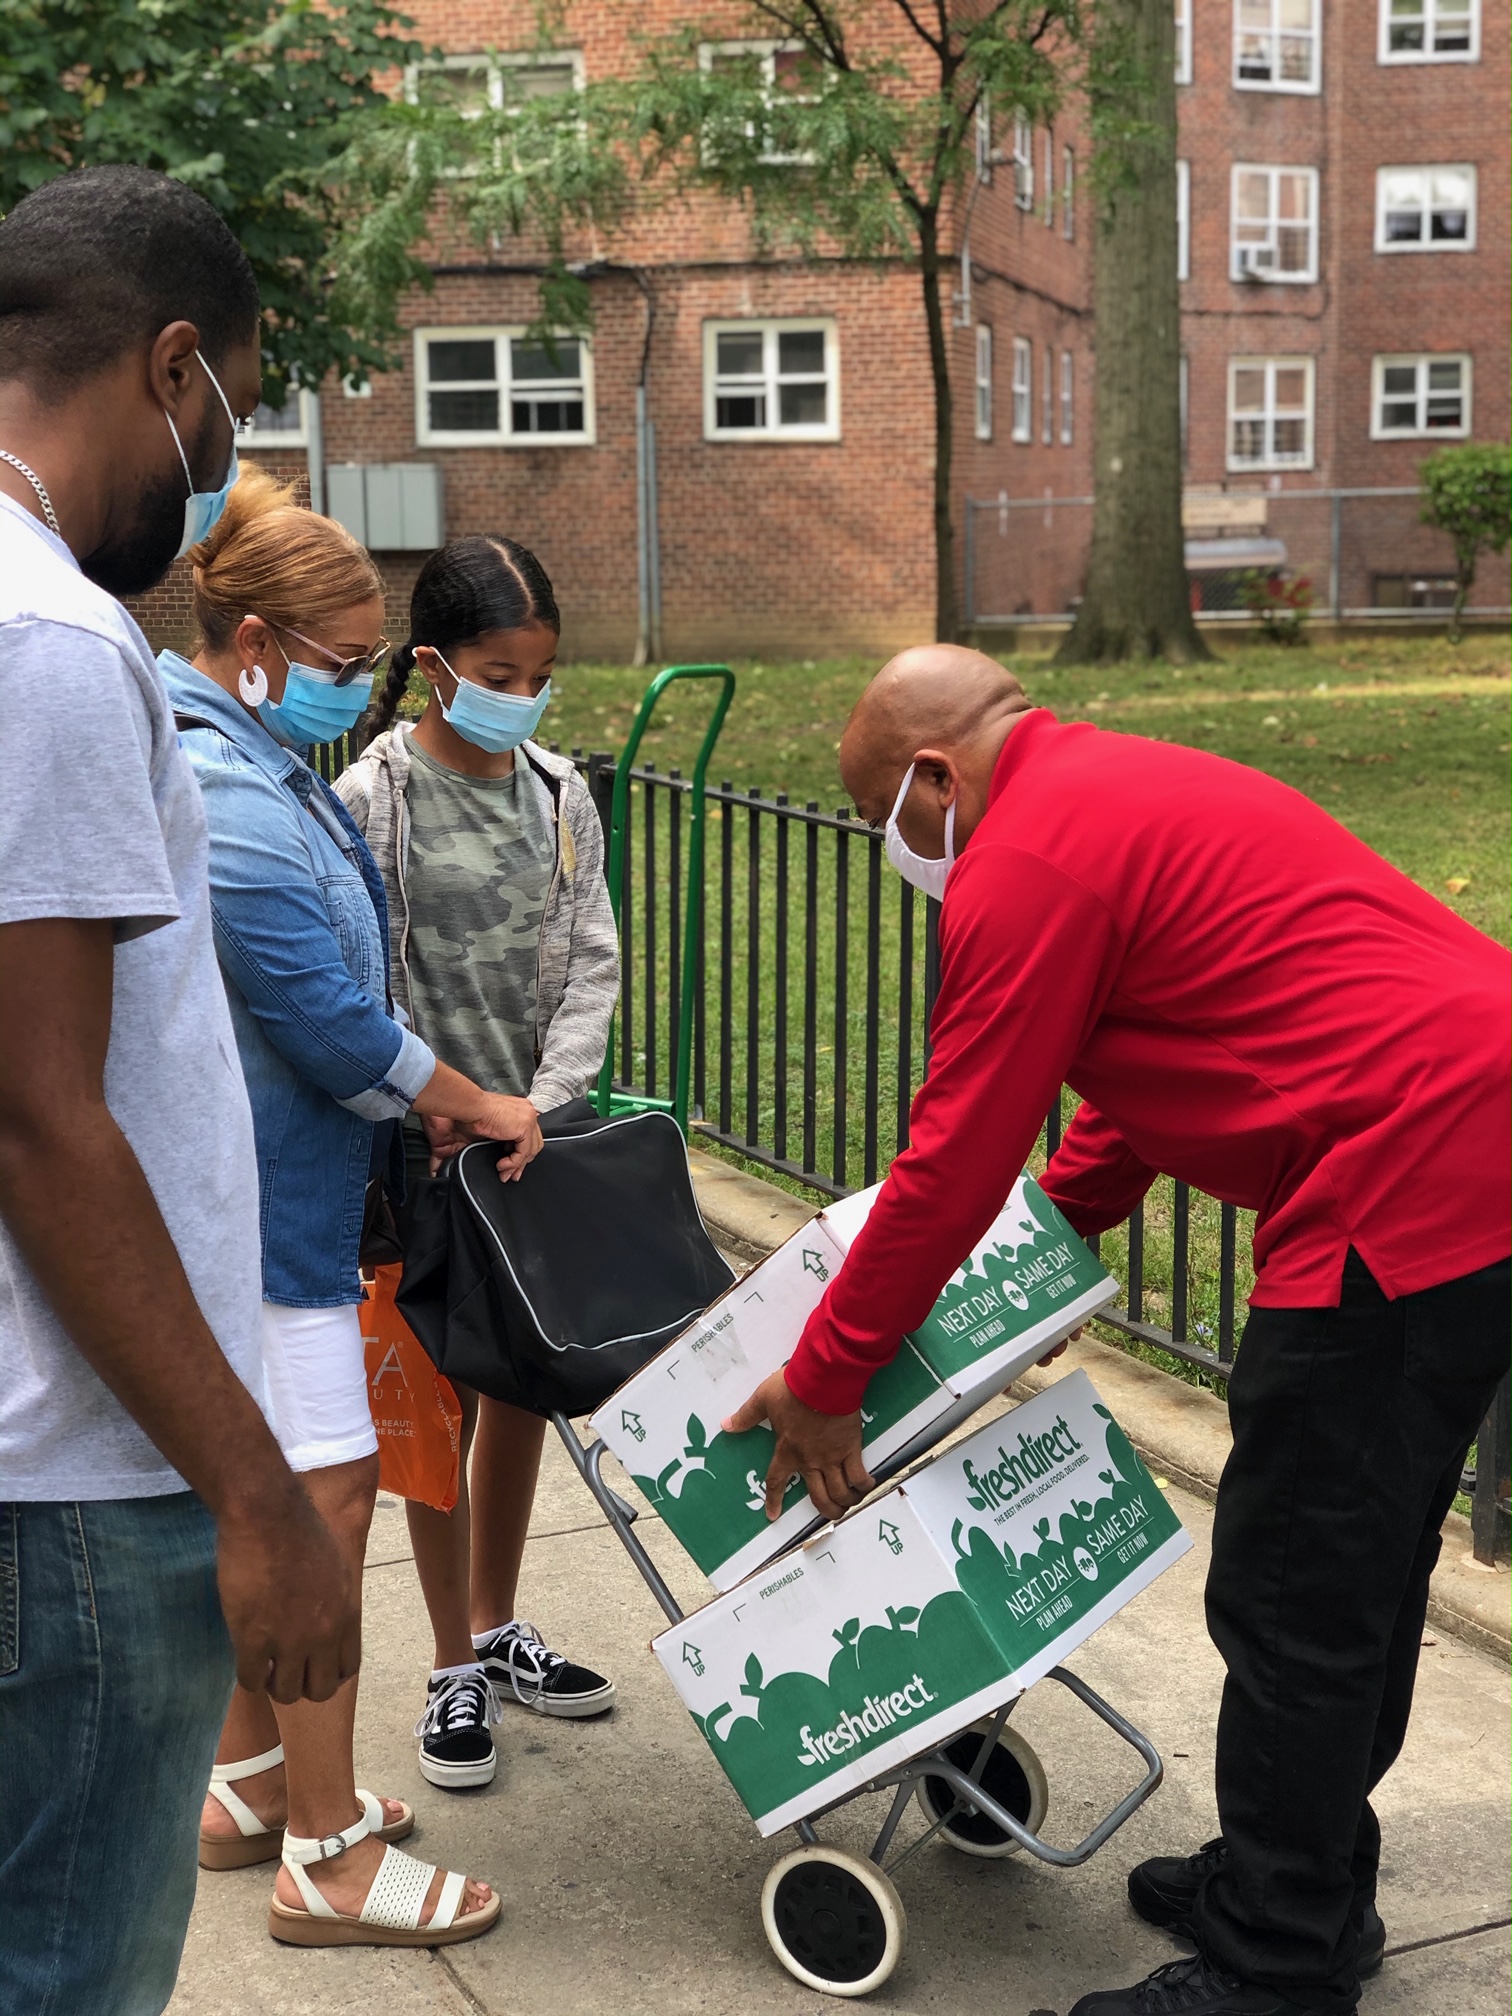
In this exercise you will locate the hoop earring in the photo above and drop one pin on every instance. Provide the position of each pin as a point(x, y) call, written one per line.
point(252, 684)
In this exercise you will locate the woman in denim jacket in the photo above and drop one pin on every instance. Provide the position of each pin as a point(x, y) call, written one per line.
point(290, 609)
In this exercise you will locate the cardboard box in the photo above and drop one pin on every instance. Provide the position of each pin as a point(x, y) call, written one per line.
point(1027, 1285)
point(884, 1636)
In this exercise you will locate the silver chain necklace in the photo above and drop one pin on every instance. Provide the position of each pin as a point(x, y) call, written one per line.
point(37, 484)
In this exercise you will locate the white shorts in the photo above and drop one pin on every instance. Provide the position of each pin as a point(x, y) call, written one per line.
point(317, 1386)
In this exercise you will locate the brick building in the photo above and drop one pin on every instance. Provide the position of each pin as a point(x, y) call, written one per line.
point(1326, 347)
point(791, 400)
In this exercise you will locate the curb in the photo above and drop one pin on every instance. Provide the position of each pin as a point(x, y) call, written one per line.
point(1181, 1431)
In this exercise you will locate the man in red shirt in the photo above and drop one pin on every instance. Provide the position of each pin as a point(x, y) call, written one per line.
point(1249, 999)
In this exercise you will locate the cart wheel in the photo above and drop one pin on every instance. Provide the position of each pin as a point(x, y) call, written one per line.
point(1014, 1777)
point(833, 1920)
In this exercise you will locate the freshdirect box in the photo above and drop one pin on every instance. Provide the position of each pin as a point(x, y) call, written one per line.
point(882, 1637)
point(1026, 1286)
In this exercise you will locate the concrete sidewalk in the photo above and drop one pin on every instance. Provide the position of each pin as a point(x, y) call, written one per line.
point(631, 1875)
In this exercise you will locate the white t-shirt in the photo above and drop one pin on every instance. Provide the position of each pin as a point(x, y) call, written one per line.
point(100, 816)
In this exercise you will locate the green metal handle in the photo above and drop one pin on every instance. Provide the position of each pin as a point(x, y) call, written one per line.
point(697, 813)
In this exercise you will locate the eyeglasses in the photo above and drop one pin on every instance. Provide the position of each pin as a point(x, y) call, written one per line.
point(347, 669)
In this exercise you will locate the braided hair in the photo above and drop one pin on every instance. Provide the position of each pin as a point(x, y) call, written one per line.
point(465, 589)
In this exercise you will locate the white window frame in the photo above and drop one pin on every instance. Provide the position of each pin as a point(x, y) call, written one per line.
point(1429, 10)
point(1420, 359)
point(1068, 193)
point(1184, 40)
point(1023, 161)
point(502, 336)
point(1270, 460)
point(250, 435)
point(766, 50)
point(983, 382)
point(1047, 394)
point(1271, 275)
point(494, 64)
point(1023, 389)
point(772, 326)
point(981, 121)
point(1314, 83)
point(1465, 244)
point(1183, 220)
point(1067, 398)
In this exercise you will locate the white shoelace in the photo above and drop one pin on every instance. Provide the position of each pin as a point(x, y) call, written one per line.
point(527, 1642)
point(461, 1701)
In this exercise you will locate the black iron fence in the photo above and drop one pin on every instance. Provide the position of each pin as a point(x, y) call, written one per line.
point(816, 974)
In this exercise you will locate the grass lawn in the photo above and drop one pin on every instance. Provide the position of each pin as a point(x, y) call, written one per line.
point(1405, 741)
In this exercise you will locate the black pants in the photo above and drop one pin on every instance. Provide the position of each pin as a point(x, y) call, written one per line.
point(1350, 1431)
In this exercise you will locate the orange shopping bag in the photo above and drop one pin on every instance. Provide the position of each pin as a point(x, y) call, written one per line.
point(414, 1409)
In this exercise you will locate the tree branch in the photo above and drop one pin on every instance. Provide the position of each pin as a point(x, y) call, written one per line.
point(918, 27)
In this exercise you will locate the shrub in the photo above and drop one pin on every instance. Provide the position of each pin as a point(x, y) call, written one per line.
point(1279, 605)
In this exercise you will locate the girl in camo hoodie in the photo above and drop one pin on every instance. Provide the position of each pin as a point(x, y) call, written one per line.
point(505, 958)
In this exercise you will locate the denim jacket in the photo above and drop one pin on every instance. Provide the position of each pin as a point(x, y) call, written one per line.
point(301, 930)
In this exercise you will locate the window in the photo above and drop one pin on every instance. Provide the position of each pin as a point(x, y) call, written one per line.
point(1419, 395)
point(1274, 224)
point(1413, 591)
point(1068, 192)
point(1425, 209)
point(1023, 389)
point(1047, 194)
point(1047, 397)
point(1183, 41)
point(1183, 220)
point(1270, 413)
point(1068, 393)
point(287, 426)
point(1430, 31)
point(473, 84)
point(1276, 45)
point(982, 132)
point(775, 379)
point(983, 382)
point(779, 71)
point(1023, 162)
point(501, 387)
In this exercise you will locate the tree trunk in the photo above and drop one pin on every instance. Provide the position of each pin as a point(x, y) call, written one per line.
point(939, 365)
point(1137, 603)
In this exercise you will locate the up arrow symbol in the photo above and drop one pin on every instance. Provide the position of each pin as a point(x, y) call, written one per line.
point(889, 1534)
point(631, 1423)
point(694, 1658)
point(813, 1263)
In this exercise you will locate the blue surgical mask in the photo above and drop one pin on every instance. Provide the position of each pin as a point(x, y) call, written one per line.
point(314, 708)
point(492, 721)
point(202, 508)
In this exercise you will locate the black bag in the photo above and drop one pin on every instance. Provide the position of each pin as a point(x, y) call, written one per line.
point(549, 1292)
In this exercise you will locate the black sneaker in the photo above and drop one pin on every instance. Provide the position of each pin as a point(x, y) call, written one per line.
point(1164, 1889)
point(455, 1746)
point(1193, 1987)
point(525, 1669)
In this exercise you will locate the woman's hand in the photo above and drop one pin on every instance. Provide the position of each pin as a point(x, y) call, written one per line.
point(506, 1119)
point(455, 1111)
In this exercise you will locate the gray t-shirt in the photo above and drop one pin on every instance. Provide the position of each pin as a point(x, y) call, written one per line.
point(480, 861)
point(100, 816)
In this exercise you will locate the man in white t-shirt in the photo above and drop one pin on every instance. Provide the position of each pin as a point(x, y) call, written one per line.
point(153, 1543)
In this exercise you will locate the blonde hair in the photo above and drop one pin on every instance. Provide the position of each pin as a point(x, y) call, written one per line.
point(270, 557)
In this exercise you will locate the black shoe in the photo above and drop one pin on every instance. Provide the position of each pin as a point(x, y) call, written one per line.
point(455, 1746)
point(1191, 1987)
point(1164, 1890)
point(525, 1669)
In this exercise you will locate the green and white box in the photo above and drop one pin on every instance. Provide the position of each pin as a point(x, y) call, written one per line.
point(886, 1635)
point(709, 1487)
point(1026, 1285)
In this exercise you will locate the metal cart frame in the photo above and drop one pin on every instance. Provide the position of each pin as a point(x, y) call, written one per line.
point(823, 1892)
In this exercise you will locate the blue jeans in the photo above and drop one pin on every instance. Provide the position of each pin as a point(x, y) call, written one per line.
point(115, 1673)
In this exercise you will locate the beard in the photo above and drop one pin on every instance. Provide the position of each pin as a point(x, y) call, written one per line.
point(136, 558)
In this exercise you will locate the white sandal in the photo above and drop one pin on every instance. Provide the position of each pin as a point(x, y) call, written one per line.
point(256, 1841)
point(390, 1913)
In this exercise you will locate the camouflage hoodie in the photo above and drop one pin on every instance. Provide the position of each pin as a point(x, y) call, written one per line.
point(577, 974)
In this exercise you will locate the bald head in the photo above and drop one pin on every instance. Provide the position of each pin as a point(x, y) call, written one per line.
point(940, 698)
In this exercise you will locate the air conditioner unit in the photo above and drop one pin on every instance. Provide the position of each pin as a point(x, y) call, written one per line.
point(1023, 184)
point(1254, 262)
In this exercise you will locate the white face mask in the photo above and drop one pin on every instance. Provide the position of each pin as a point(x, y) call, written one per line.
point(926, 872)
